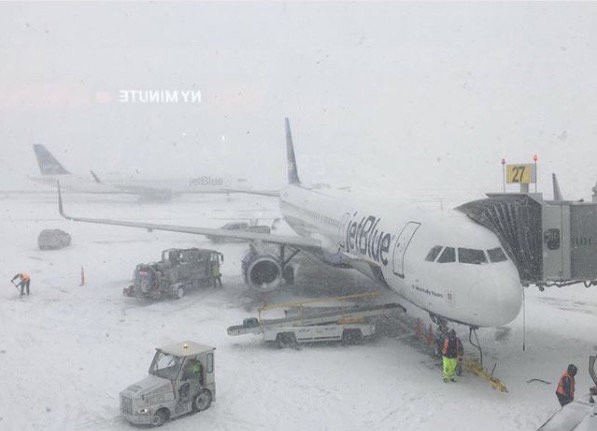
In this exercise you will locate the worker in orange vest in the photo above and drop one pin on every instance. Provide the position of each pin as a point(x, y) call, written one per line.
point(451, 349)
point(24, 282)
point(565, 390)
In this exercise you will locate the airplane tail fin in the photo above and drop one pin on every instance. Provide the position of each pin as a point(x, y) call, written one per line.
point(293, 177)
point(48, 165)
point(557, 194)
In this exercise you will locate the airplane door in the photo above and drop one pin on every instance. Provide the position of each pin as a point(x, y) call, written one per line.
point(342, 230)
point(402, 242)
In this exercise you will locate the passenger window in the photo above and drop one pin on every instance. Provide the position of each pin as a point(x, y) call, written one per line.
point(210, 362)
point(496, 255)
point(470, 255)
point(447, 256)
point(433, 253)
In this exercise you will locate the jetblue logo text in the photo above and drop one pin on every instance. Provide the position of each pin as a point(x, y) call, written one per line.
point(364, 238)
point(206, 181)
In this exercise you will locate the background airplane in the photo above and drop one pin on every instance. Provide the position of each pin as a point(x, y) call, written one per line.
point(51, 171)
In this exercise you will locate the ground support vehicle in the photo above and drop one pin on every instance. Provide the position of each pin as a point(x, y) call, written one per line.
point(178, 271)
point(348, 324)
point(181, 380)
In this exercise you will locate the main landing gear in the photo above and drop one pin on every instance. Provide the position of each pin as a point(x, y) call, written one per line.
point(287, 270)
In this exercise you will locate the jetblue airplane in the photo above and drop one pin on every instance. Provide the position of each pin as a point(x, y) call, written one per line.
point(152, 189)
point(440, 261)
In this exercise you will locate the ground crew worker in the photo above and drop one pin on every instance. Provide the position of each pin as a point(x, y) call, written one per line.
point(193, 372)
point(215, 272)
point(451, 349)
point(197, 370)
point(565, 390)
point(24, 282)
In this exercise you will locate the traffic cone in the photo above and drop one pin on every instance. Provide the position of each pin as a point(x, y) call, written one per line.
point(418, 328)
point(430, 335)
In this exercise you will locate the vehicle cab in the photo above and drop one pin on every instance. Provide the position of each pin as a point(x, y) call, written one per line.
point(181, 380)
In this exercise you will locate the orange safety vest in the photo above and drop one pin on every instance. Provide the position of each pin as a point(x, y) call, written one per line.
point(454, 350)
point(24, 276)
point(560, 390)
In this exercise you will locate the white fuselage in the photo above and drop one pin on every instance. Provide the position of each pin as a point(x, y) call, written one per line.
point(390, 242)
point(74, 183)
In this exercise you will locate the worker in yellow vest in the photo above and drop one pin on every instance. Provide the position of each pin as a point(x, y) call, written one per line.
point(23, 283)
point(215, 273)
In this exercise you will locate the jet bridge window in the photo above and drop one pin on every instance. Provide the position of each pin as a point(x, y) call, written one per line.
point(447, 256)
point(433, 253)
point(470, 255)
point(496, 255)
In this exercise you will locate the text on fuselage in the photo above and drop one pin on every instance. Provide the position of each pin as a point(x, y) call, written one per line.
point(363, 237)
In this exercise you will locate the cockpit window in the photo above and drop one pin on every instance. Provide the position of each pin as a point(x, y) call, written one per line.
point(470, 255)
point(448, 255)
point(496, 255)
point(433, 253)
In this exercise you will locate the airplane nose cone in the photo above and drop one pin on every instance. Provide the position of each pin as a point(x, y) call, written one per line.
point(499, 300)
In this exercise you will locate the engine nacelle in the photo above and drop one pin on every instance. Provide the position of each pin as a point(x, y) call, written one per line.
point(262, 272)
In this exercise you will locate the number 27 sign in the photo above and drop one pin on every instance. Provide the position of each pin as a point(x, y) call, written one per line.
point(521, 174)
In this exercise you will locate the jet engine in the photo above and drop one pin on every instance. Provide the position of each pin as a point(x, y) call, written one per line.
point(262, 271)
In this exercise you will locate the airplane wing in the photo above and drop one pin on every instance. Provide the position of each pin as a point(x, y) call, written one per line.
point(272, 193)
point(295, 241)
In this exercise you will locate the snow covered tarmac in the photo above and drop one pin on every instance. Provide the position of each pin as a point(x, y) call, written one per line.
point(66, 351)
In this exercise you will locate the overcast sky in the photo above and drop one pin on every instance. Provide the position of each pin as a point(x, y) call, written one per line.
point(393, 95)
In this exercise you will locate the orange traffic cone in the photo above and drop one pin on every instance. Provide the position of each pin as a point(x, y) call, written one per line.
point(430, 335)
point(418, 330)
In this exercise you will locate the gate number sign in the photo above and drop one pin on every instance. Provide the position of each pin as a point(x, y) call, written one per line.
point(520, 174)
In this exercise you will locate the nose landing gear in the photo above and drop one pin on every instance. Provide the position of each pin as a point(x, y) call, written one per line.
point(473, 330)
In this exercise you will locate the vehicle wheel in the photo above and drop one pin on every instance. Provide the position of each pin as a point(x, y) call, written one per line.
point(352, 336)
point(285, 339)
point(179, 293)
point(291, 340)
point(280, 341)
point(159, 418)
point(202, 401)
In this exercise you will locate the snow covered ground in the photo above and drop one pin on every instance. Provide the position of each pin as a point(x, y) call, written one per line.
point(67, 350)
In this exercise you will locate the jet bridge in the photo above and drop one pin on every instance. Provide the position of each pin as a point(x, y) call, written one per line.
point(551, 242)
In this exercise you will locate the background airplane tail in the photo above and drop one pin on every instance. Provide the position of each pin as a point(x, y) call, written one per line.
point(293, 177)
point(48, 165)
